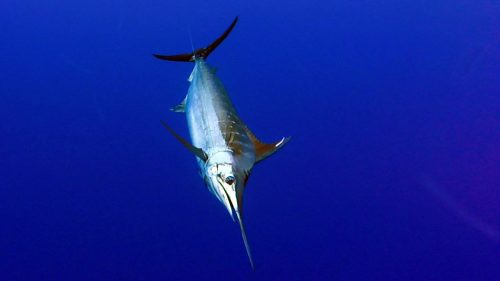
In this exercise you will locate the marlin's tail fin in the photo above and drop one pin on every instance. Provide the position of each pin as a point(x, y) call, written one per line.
point(202, 52)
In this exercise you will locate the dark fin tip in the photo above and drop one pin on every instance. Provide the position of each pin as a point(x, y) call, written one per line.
point(180, 58)
point(195, 150)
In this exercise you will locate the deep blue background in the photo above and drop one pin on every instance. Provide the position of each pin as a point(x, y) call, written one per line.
point(392, 173)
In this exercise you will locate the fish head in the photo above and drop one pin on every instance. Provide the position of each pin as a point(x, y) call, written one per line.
point(225, 180)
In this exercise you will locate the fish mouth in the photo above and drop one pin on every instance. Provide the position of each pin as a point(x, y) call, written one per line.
point(231, 203)
point(227, 195)
point(225, 185)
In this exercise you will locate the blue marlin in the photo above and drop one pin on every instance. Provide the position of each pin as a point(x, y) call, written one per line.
point(225, 149)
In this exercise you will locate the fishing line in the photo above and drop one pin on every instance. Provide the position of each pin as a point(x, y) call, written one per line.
point(191, 38)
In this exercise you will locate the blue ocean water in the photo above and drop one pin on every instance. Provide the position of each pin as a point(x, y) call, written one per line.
point(392, 172)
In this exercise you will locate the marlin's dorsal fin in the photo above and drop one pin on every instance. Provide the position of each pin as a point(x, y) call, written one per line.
point(180, 107)
point(195, 150)
point(264, 150)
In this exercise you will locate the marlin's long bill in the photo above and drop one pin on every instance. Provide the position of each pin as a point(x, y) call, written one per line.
point(225, 148)
point(245, 240)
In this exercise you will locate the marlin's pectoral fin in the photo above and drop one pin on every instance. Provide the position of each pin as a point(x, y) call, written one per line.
point(195, 150)
point(264, 150)
point(180, 107)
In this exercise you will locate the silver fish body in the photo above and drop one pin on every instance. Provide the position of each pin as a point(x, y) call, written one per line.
point(215, 127)
point(226, 149)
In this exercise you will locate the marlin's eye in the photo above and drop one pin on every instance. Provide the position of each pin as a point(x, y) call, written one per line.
point(229, 180)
